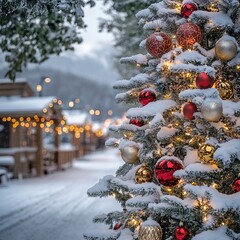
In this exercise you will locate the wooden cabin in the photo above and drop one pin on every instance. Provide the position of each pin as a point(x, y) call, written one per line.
point(24, 120)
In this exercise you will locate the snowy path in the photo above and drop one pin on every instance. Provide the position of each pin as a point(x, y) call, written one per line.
point(56, 207)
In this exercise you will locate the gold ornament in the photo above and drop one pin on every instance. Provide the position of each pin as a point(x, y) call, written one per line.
point(196, 141)
point(205, 153)
point(226, 48)
point(212, 109)
point(150, 230)
point(134, 222)
point(225, 89)
point(130, 154)
point(143, 175)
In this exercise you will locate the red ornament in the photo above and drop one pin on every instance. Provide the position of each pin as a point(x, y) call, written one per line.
point(236, 185)
point(187, 9)
point(117, 226)
point(146, 96)
point(181, 233)
point(189, 109)
point(188, 34)
point(164, 171)
point(158, 43)
point(137, 122)
point(203, 81)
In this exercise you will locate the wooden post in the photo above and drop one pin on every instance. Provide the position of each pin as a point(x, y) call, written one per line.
point(39, 155)
point(56, 145)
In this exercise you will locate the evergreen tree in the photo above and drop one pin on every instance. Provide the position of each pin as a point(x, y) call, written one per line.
point(181, 144)
point(33, 30)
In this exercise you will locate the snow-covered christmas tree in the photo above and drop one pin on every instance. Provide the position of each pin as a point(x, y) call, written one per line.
point(180, 144)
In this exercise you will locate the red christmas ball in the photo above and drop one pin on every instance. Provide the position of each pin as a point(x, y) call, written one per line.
point(236, 185)
point(164, 171)
point(187, 9)
point(181, 233)
point(203, 81)
point(137, 122)
point(117, 226)
point(146, 96)
point(189, 109)
point(158, 43)
point(188, 34)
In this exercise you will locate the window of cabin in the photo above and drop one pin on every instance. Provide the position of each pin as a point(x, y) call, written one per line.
point(4, 134)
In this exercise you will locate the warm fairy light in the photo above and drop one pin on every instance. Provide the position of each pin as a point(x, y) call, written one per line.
point(22, 124)
point(215, 185)
point(42, 119)
point(41, 125)
point(45, 110)
point(223, 223)
point(50, 105)
point(205, 219)
point(13, 120)
point(184, 193)
point(4, 119)
point(9, 119)
point(114, 195)
point(87, 127)
point(27, 125)
point(59, 102)
point(39, 88)
point(205, 207)
point(138, 65)
point(55, 100)
point(91, 112)
point(34, 124)
point(71, 104)
point(28, 119)
point(110, 112)
point(97, 112)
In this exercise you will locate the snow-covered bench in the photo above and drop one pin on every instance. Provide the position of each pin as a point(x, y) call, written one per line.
point(6, 160)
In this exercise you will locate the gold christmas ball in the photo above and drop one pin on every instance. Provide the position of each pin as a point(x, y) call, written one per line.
point(212, 109)
point(150, 230)
point(205, 153)
point(130, 154)
point(196, 141)
point(143, 175)
point(225, 89)
point(226, 48)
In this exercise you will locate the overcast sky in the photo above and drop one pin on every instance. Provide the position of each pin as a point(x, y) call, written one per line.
point(93, 40)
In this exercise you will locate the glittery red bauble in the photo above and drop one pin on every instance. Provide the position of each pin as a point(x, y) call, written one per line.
point(146, 96)
point(187, 9)
point(164, 171)
point(189, 109)
point(236, 185)
point(137, 122)
point(158, 43)
point(181, 233)
point(188, 34)
point(117, 226)
point(203, 81)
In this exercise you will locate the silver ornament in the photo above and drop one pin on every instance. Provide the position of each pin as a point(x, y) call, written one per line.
point(212, 109)
point(150, 230)
point(226, 48)
point(129, 154)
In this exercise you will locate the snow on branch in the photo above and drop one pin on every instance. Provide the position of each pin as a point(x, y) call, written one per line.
point(228, 153)
point(219, 233)
point(150, 110)
point(101, 234)
point(137, 81)
point(178, 68)
point(137, 59)
point(102, 188)
point(142, 201)
point(203, 93)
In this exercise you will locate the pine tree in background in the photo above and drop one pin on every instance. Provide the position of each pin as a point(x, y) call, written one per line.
point(181, 146)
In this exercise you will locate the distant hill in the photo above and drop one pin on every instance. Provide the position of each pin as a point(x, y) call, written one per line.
point(67, 86)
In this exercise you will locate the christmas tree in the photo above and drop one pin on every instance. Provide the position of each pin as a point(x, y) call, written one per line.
point(180, 144)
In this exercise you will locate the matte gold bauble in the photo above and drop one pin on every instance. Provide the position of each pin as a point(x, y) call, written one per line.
point(150, 230)
point(226, 48)
point(130, 154)
point(205, 153)
point(143, 175)
point(225, 89)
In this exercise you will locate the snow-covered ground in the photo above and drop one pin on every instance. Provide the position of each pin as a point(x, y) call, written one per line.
point(56, 207)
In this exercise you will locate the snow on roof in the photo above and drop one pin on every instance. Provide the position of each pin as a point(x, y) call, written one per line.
point(17, 80)
point(76, 117)
point(11, 105)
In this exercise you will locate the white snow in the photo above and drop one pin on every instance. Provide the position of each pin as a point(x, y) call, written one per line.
point(56, 206)
point(18, 105)
point(139, 58)
point(151, 109)
point(76, 117)
point(7, 160)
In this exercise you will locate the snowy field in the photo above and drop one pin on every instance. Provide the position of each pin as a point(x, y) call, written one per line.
point(56, 207)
